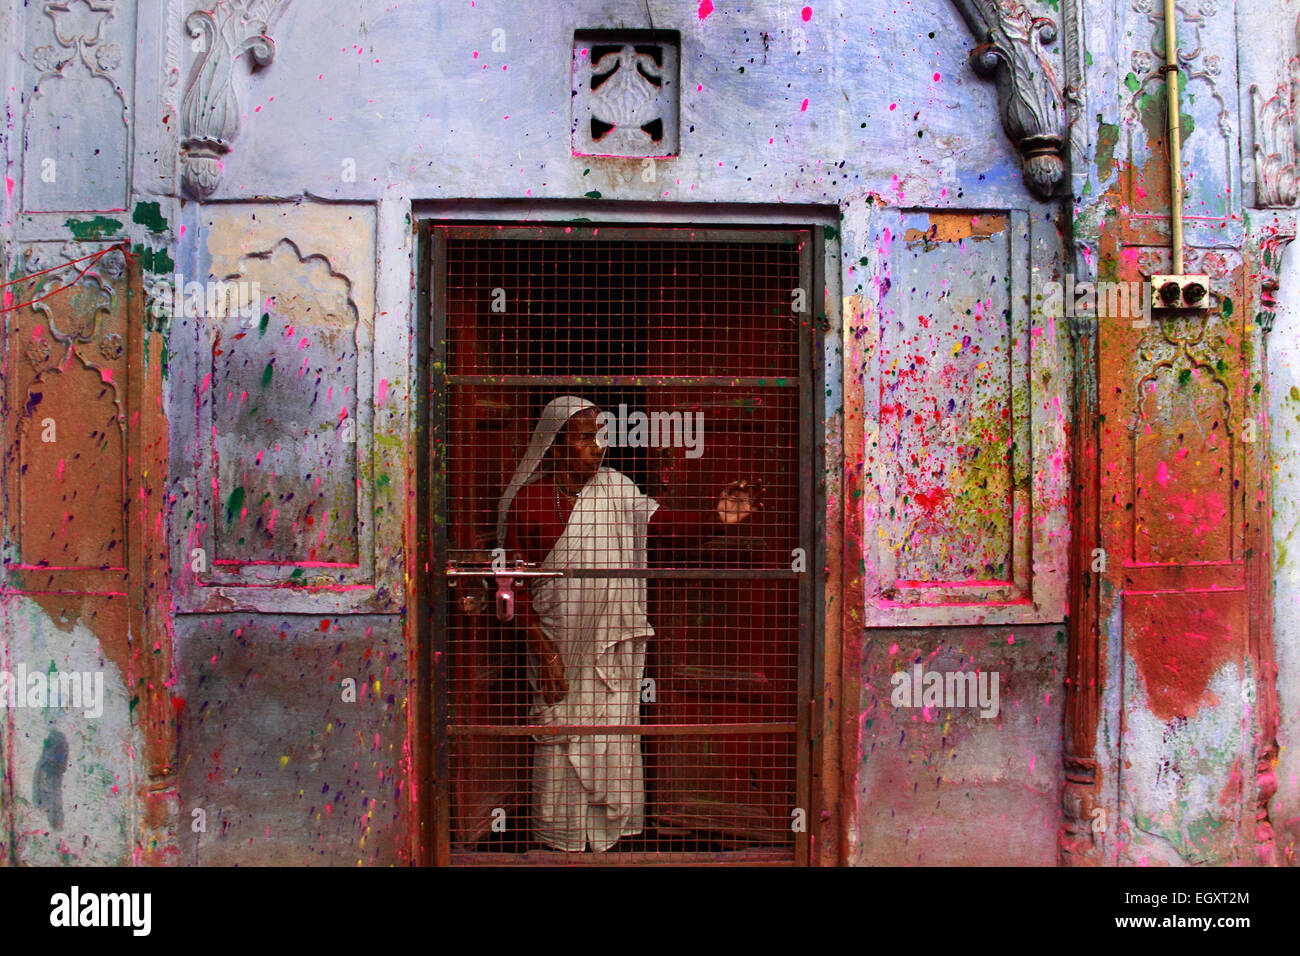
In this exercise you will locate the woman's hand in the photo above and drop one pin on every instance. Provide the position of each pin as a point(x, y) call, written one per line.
point(550, 668)
point(740, 500)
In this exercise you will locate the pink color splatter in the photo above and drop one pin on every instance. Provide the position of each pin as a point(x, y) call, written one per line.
point(804, 107)
point(706, 7)
point(806, 14)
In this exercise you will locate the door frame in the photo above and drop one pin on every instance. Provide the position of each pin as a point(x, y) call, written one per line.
point(825, 837)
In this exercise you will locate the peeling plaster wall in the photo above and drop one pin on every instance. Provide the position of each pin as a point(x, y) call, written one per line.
point(68, 771)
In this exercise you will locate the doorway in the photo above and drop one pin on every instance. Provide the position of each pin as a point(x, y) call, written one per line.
point(697, 347)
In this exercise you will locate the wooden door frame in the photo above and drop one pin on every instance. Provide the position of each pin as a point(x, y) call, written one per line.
point(826, 827)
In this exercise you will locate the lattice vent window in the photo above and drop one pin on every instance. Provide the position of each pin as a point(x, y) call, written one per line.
point(626, 98)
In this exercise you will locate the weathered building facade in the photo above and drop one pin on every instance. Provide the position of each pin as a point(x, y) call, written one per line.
point(288, 283)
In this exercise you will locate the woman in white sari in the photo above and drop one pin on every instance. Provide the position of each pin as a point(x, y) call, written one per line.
point(587, 635)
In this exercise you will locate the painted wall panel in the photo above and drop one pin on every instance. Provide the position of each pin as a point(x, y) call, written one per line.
point(290, 763)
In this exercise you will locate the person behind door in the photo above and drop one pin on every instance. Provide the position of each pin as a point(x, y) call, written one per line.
point(587, 636)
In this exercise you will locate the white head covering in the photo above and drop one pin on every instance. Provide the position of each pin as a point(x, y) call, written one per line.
point(554, 417)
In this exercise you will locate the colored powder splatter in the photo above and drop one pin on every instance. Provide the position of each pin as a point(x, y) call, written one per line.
point(234, 504)
point(706, 7)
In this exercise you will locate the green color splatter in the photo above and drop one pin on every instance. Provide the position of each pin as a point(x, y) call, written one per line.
point(261, 326)
point(156, 261)
point(96, 228)
point(149, 215)
point(1184, 377)
point(1107, 137)
point(267, 372)
point(594, 194)
point(234, 503)
point(1132, 83)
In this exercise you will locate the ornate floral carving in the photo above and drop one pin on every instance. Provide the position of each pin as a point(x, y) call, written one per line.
point(46, 58)
point(79, 22)
point(70, 70)
point(1010, 52)
point(1186, 343)
point(210, 111)
point(1193, 65)
point(110, 346)
point(112, 264)
point(37, 352)
point(108, 56)
point(1277, 139)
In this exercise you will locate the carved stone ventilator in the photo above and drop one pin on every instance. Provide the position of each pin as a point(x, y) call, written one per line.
point(626, 94)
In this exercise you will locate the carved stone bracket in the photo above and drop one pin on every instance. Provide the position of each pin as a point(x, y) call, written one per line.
point(1277, 138)
point(210, 111)
point(1010, 52)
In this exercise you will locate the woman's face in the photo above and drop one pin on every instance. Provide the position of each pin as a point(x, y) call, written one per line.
point(576, 452)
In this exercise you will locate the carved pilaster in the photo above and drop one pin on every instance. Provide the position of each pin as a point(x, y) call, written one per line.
point(1030, 100)
point(1267, 244)
point(210, 111)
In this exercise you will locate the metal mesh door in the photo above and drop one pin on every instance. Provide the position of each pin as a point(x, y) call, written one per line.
point(619, 670)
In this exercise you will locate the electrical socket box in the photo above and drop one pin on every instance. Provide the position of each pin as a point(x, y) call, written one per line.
point(1180, 292)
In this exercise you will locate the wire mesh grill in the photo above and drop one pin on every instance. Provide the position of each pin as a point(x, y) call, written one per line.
point(642, 700)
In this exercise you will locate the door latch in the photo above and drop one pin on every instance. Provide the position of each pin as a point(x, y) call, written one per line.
point(506, 581)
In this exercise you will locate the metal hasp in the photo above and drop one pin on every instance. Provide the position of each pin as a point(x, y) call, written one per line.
point(506, 583)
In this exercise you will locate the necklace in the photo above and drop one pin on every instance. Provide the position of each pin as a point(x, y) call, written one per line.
point(559, 508)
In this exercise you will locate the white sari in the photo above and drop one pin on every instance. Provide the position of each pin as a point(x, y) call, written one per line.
point(590, 788)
